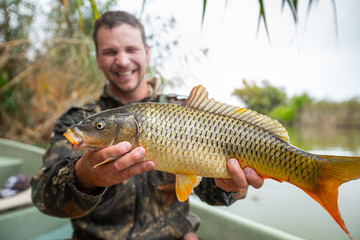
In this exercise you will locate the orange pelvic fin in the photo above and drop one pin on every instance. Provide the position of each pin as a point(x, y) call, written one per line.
point(337, 170)
point(184, 185)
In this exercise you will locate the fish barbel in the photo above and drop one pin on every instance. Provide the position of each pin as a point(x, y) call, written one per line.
point(196, 138)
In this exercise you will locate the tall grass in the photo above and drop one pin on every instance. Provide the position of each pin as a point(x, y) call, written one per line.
point(63, 73)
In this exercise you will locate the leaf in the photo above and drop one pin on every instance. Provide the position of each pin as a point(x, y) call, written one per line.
point(262, 16)
point(80, 16)
point(293, 7)
point(203, 15)
point(94, 9)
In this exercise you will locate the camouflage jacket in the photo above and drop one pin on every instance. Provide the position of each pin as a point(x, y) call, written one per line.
point(143, 207)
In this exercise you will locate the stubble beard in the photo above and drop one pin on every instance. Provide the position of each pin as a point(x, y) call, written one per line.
point(126, 91)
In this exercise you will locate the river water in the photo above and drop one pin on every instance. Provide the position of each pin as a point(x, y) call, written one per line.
point(286, 207)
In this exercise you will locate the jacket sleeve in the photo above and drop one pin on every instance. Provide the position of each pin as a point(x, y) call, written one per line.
point(54, 190)
point(208, 192)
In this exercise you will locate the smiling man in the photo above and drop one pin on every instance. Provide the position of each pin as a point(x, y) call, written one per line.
point(124, 199)
point(123, 58)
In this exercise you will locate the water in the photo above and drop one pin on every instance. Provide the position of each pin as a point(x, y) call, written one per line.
point(286, 207)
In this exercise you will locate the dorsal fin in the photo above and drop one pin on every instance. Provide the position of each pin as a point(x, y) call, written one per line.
point(199, 99)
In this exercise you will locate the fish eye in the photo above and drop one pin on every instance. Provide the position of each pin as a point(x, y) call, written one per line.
point(100, 125)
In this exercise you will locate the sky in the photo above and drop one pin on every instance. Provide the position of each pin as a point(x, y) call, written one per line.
point(313, 57)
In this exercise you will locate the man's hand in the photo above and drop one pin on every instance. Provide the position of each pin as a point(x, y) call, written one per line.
point(241, 179)
point(114, 172)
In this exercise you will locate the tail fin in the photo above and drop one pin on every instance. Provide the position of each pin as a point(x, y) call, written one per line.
point(337, 170)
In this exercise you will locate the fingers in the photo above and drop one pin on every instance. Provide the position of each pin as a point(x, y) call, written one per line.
point(129, 159)
point(117, 150)
point(253, 178)
point(114, 172)
point(221, 183)
point(127, 165)
point(240, 179)
point(121, 155)
point(244, 177)
point(134, 170)
point(190, 236)
point(238, 176)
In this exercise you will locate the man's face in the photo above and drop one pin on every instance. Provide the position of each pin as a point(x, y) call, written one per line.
point(122, 57)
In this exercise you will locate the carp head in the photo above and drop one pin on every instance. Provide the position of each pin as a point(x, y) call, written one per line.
point(102, 130)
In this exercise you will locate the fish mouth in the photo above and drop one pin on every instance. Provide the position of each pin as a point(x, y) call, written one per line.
point(74, 138)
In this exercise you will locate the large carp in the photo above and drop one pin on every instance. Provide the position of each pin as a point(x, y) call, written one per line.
point(196, 138)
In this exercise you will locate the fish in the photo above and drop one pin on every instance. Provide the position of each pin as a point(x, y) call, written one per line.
point(195, 140)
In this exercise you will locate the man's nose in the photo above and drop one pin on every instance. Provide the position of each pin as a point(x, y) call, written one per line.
point(122, 59)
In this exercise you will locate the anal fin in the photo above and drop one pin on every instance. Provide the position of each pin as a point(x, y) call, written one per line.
point(184, 185)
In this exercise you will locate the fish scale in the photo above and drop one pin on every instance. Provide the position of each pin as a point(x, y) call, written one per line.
point(213, 139)
point(198, 138)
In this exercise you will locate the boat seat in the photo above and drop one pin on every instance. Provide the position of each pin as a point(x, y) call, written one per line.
point(9, 166)
point(19, 200)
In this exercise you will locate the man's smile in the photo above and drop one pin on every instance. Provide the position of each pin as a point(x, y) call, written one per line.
point(124, 74)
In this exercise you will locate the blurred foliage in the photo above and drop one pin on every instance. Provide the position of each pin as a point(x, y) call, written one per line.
point(16, 16)
point(326, 114)
point(262, 99)
point(76, 18)
point(299, 110)
point(42, 77)
point(290, 112)
point(44, 72)
point(14, 22)
point(60, 77)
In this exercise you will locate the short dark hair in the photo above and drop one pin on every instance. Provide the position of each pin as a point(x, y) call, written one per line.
point(113, 19)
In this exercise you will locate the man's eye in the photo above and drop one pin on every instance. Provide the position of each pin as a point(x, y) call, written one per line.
point(100, 125)
point(132, 50)
point(109, 53)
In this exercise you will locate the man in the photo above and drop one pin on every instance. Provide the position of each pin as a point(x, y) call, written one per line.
point(123, 199)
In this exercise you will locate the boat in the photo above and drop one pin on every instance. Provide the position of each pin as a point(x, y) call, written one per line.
point(20, 219)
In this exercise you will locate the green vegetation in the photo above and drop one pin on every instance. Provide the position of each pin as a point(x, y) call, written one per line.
point(300, 110)
point(327, 114)
point(43, 72)
point(41, 78)
point(261, 99)
point(289, 113)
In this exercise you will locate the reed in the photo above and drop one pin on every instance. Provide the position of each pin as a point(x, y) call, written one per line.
point(62, 73)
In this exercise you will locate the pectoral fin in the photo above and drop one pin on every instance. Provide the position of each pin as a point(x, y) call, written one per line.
point(109, 160)
point(184, 185)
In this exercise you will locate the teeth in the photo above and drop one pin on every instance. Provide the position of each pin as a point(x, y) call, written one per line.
point(123, 74)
